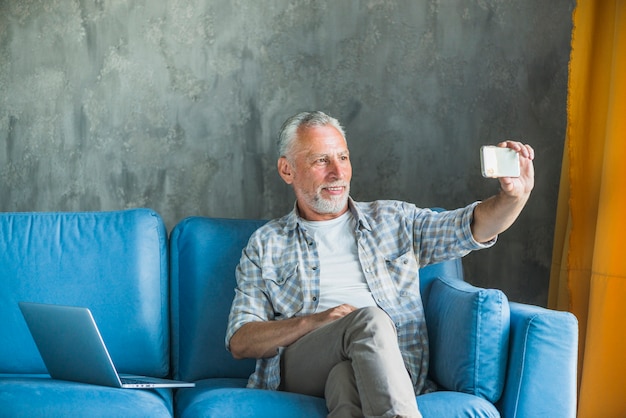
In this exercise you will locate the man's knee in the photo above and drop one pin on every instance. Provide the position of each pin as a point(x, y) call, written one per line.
point(374, 321)
point(373, 314)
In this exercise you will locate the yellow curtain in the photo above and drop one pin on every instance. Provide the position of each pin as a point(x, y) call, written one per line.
point(589, 259)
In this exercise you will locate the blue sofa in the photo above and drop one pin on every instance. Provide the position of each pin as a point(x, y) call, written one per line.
point(162, 306)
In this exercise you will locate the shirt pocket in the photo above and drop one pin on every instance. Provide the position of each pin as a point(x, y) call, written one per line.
point(283, 289)
point(404, 272)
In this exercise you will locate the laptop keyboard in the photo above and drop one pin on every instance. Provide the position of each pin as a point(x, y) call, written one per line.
point(131, 381)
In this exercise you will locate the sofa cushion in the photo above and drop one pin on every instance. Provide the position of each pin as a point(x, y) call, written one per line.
point(114, 263)
point(204, 253)
point(455, 404)
point(229, 398)
point(468, 331)
point(38, 396)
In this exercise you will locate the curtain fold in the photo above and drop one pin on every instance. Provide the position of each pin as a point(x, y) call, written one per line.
point(588, 274)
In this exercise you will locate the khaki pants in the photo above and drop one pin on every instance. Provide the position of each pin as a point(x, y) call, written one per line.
point(355, 363)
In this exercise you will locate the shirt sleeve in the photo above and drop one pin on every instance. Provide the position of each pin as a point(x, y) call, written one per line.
point(467, 236)
point(440, 236)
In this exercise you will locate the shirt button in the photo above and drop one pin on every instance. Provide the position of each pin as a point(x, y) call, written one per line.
point(314, 268)
point(314, 298)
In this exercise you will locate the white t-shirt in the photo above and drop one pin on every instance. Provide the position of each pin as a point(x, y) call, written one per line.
point(341, 277)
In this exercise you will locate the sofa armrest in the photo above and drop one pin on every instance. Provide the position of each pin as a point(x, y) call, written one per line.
point(543, 355)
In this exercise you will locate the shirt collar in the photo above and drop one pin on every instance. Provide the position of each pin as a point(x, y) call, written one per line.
point(292, 221)
point(361, 218)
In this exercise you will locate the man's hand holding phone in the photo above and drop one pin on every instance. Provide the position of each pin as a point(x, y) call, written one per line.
point(512, 163)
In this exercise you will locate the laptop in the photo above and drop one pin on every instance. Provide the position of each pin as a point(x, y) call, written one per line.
point(72, 348)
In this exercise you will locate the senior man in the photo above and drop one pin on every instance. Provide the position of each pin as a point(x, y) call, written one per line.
point(327, 297)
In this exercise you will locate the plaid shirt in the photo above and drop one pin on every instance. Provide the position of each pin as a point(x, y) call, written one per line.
point(278, 276)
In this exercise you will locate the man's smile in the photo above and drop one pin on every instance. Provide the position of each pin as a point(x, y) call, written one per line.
point(334, 190)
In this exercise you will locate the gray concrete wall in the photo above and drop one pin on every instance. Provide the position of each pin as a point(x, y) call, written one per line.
point(175, 105)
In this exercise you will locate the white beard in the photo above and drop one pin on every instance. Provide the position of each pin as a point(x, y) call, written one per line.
point(332, 205)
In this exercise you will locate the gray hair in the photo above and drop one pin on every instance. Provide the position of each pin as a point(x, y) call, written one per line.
point(289, 131)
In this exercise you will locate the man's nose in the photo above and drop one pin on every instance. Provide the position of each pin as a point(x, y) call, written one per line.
point(337, 168)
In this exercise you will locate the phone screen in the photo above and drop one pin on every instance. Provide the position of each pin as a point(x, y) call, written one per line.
point(499, 162)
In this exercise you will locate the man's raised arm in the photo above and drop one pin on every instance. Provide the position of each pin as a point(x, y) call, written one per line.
point(496, 214)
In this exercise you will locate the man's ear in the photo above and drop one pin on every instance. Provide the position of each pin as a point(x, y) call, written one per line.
point(285, 170)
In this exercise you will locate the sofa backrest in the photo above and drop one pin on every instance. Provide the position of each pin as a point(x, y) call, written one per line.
point(114, 263)
point(204, 253)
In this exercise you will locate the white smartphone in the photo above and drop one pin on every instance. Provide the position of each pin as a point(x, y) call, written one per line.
point(499, 162)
